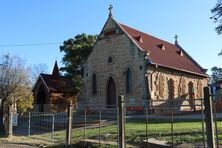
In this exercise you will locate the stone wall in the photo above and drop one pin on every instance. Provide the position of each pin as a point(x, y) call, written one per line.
point(160, 89)
point(124, 55)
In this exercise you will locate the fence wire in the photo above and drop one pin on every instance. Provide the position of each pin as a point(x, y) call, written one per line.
point(97, 125)
point(174, 123)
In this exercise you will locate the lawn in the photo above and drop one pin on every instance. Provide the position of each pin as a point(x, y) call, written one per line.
point(183, 132)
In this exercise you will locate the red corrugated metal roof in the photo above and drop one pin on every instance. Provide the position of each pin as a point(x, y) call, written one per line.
point(170, 57)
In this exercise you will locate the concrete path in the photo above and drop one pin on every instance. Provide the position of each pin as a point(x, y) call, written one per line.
point(8, 145)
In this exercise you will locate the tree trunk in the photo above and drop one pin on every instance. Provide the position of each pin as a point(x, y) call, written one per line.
point(2, 127)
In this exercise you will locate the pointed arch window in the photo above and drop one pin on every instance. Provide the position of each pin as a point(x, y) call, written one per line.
point(171, 89)
point(184, 87)
point(128, 81)
point(161, 85)
point(191, 90)
point(94, 84)
point(191, 95)
point(200, 90)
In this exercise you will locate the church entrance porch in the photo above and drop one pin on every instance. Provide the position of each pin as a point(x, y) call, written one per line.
point(41, 99)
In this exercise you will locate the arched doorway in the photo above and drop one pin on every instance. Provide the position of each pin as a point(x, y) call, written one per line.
point(111, 92)
point(41, 98)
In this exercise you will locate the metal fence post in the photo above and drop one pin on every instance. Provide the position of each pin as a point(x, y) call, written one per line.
point(172, 122)
point(53, 127)
point(29, 128)
point(69, 124)
point(121, 124)
point(203, 127)
point(209, 118)
point(100, 118)
point(146, 125)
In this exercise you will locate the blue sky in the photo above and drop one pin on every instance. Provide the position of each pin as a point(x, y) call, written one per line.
point(53, 21)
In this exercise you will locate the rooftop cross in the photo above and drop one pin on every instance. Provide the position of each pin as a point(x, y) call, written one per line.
point(110, 9)
point(176, 37)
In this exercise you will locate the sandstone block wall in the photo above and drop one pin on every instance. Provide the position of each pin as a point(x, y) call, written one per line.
point(160, 90)
point(124, 55)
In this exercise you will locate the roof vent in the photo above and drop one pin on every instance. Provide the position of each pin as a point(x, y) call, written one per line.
point(204, 70)
point(139, 39)
point(161, 46)
point(109, 33)
point(181, 53)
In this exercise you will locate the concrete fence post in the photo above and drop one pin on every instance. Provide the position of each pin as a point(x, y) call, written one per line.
point(69, 124)
point(121, 124)
point(209, 118)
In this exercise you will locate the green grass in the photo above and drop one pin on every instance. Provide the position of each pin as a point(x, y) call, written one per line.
point(183, 132)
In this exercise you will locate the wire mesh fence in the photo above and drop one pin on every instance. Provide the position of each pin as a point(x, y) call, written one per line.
point(170, 122)
point(147, 123)
point(97, 125)
point(41, 125)
point(217, 121)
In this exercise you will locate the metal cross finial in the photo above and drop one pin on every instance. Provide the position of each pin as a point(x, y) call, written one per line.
point(176, 37)
point(110, 9)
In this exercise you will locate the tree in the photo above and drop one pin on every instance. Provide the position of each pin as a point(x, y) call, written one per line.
point(217, 15)
point(76, 52)
point(14, 82)
point(216, 74)
point(36, 70)
point(220, 54)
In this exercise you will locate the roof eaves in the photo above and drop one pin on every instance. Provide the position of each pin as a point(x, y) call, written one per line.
point(36, 83)
point(44, 83)
point(187, 71)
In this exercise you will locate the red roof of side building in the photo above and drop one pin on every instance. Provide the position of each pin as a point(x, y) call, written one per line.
point(164, 53)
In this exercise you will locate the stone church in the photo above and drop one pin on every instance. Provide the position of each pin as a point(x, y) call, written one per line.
point(126, 61)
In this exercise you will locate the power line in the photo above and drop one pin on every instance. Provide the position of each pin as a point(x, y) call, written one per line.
point(32, 44)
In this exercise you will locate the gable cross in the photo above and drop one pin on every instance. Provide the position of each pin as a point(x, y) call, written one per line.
point(176, 37)
point(110, 9)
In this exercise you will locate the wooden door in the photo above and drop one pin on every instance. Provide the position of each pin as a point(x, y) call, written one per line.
point(111, 92)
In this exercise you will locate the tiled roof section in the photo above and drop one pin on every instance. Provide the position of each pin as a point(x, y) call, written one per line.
point(170, 57)
point(58, 84)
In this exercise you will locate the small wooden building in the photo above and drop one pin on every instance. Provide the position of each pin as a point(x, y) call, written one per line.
point(52, 92)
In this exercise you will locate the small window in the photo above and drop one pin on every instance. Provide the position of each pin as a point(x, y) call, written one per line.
point(94, 84)
point(128, 81)
point(110, 60)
